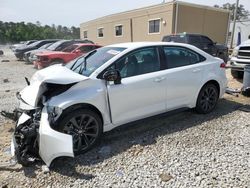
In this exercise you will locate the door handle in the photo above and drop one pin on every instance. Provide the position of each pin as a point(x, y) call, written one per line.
point(196, 70)
point(159, 79)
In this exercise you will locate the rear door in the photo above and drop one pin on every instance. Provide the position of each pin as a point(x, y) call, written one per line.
point(184, 76)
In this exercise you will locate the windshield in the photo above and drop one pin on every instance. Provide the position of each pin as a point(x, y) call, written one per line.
point(34, 44)
point(70, 48)
point(93, 60)
point(55, 45)
point(45, 46)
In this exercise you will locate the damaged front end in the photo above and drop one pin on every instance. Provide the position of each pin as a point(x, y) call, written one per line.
point(34, 136)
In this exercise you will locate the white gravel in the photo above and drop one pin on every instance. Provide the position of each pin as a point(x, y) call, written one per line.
point(177, 150)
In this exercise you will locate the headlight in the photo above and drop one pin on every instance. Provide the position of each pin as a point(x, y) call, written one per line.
point(235, 52)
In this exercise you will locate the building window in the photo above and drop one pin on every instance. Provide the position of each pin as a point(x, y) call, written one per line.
point(100, 32)
point(85, 34)
point(154, 26)
point(118, 30)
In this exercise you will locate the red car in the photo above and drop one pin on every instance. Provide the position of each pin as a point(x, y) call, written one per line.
point(71, 52)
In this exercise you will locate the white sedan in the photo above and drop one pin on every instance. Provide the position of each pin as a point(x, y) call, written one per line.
point(66, 108)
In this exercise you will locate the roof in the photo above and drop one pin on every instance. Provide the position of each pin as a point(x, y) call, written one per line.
point(145, 44)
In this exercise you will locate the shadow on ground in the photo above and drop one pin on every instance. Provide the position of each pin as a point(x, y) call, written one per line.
point(124, 137)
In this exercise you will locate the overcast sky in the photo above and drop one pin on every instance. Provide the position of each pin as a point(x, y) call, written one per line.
point(74, 12)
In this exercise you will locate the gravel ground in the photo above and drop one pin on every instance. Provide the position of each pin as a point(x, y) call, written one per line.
point(172, 150)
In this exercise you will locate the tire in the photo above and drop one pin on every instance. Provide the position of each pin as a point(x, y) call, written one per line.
point(85, 126)
point(237, 74)
point(207, 99)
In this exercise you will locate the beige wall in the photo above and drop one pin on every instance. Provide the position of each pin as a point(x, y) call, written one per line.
point(191, 18)
point(138, 19)
point(207, 21)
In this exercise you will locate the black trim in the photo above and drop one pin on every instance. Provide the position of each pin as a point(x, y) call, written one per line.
point(202, 58)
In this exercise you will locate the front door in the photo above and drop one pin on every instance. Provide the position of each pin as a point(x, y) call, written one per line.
point(142, 91)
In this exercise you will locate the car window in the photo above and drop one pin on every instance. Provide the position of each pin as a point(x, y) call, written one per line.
point(139, 62)
point(64, 45)
point(194, 39)
point(178, 57)
point(206, 40)
point(85, 49)
point(70, 48)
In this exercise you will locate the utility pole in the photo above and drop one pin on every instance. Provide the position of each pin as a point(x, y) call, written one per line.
point(234, 23)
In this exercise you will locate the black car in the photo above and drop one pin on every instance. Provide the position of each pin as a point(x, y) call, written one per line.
point(200, 41)
point(19, 52)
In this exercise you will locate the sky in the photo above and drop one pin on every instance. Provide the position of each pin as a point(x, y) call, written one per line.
point(73, 12)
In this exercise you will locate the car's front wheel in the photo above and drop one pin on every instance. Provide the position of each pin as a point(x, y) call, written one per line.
point(207, 99)
point(85, 126)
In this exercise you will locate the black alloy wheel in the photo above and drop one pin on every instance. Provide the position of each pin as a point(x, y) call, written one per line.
point(207, 99)
point(85, 126)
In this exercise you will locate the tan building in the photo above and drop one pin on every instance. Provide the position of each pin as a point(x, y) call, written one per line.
point(153, 22)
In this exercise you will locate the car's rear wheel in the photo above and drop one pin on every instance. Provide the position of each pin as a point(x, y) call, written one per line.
point(207, 99)
point(237, 74)
point(85, 126)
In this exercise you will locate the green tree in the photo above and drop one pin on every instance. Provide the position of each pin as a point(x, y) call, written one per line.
point(242, 13)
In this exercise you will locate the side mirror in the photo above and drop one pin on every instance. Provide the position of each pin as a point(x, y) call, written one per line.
point(112, 75)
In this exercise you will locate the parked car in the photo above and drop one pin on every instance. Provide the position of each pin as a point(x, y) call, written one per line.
point(57, 46)
point(19, 52)
point(22, 44)
point(45, 59)
point(200, 41)
point(66, 108)
point(27, 54)
point(239, 59)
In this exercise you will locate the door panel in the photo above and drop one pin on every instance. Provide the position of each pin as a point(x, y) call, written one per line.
point(142, 91)
point(137, 97)
point(183, 76)
point(182, 85)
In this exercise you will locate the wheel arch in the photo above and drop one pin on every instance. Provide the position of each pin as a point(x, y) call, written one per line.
point(84, 106)
point(212, 81)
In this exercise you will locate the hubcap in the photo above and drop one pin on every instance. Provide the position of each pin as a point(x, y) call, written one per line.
point(84, 130)
point(208, 98)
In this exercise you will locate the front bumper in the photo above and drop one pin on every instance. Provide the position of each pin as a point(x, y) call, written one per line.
point(239, 64)
point(52, 144)
point(19, 55)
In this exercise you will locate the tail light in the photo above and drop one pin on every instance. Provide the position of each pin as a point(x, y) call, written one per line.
point(223, 65)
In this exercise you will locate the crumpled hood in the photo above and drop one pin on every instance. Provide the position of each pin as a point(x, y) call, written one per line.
point(56, 74)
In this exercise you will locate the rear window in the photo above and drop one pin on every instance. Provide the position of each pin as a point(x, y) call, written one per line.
point(175, 38)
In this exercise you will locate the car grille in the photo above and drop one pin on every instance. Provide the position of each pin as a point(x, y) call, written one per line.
point(244, 52)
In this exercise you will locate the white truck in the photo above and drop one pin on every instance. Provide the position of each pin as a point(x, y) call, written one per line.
point(240, 58)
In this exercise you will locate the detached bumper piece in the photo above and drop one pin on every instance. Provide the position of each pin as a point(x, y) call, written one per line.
point(24, 143)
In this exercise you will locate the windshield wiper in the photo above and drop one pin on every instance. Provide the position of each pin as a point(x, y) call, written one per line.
point(84, 64)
